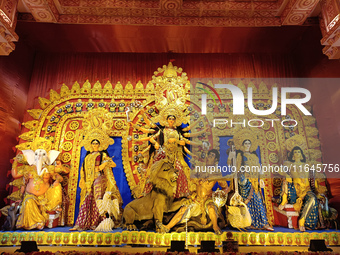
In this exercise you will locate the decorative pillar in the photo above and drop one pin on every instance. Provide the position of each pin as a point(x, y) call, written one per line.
point(8, 15)
point(43, 10)
point(330, 28)
point(297, 11)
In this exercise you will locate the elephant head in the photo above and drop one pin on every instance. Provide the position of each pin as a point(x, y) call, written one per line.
point(40, 157)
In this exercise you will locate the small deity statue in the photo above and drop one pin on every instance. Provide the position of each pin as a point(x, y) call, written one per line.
point(42, 189)
point(296, 190)
point(249, 183)
point(79, 105)
point(112, 106)
point(90, 105)
point(121, 106)
point(69, 107)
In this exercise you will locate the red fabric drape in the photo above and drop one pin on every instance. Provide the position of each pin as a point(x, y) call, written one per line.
point(51, 70)
point(15, 73)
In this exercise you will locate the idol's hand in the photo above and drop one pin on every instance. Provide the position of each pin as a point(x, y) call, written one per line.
point(181, 142)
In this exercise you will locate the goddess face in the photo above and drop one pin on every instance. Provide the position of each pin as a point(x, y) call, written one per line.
point(211, 159)
point(95, 145)
point(297, 155)
point(246, 145)
point(171, 120)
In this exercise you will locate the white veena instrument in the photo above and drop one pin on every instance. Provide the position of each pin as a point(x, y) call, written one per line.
point(236, 199)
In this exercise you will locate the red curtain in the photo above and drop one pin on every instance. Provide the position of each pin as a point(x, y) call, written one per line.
point(51, 70)
point(15, 74)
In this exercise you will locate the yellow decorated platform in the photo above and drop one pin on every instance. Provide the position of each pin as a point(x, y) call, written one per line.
point(118, 238)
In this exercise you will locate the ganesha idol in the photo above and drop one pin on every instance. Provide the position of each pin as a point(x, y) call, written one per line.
point(41, 189)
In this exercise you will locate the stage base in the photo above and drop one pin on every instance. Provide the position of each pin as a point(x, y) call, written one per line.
point(62, 236)
point(133, 250)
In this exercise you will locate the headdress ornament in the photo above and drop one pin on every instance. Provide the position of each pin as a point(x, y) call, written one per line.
point(101, 136)
point(296, 140)
point(41, 143)
point(97, 124)
point(230, 142)
point(243, 135)
point(170, 96)
point(174, 110)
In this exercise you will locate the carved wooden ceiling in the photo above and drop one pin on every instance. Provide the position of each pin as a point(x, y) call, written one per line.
point(248, 13)
point(179, 13)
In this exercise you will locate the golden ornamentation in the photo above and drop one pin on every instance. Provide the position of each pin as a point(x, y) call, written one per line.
point(31, 125)
point(97, 123)
point(90, 105)
point(221, 126)
point(277, 191)
point(66, 157)
point(69, 107)
point(313, 142)
point(252, 85)
point(15, 196)
point(314, 154)
point(119, 124)
point(245, 134)
point(273, 157)
point(97, 88)
point(44, 102)
point(75, 88)
point(69, 135)
point(35, 113)
point(141, 237)
point(266, 126)
point(311, 131)
point(187, 87)
point(54, 96)
point(172, 109)
point(67, 146)
point(41, 143)
point(74, 125)
point(65, 179)
point(101, 104)
point(108, 88)
point(23, 146)
point(150, 88)
point(309, 120)
point(79, 105)
point(139, 88)
point(86, 89)
point(277, 182)
point(241, 86)
point(64, 91)
point(270, 135)
point(118, 90)
point(28, 136)
point(296, 140)
point(263, 88)
point(272, 146)
point(128, 89)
